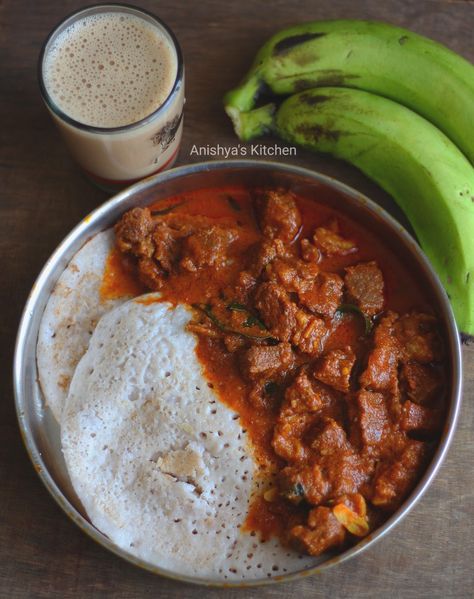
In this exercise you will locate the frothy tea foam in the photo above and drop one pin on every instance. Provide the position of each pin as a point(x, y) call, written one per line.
point(110, 69)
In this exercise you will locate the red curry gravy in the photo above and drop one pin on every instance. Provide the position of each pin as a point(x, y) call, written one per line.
point(234, 208)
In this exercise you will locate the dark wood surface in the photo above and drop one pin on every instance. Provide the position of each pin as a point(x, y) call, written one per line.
point(43, 195)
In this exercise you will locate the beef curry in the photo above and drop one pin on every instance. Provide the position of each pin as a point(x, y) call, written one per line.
point(316, 335)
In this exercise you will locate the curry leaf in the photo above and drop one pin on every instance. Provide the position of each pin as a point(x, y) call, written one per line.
point(299, 490)
point(270, 388)
point(252, 320)
point(236, 307)
point(207, 309)
point(234, 204)
point(295, 493)
point(167, 210)
point(352, 308)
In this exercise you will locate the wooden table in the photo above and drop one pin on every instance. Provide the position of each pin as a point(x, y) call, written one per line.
point(43, 195)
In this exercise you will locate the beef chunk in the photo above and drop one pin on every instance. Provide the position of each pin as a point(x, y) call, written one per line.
point(150, 274)
point(303, 481)
point(323, 532)
point(278, 215)
point(339, 472)
point(310, 333)
point(345, 471)
point(306, 394)
point(332, 472)
point(257, 397)
point(303, 400)
point(288, 435)
point(381, 373)
point(324, 295)
point(287, 322)
point(335, 367)
point(420, 419)
point(207, 247)
point(364, 285)
point(133, 233)
point(293, 274)
point(332, 244)
point(166, 246)
point(139, 234)
point(243, 288)
point(394, 481)
point(328, 437)
point(263, 361)
point(268, 250)
point(373, 421)
point(234, 342)
point(309, 252)
point(321, 292)
point(277, 310)
point(419, 338)
point(421, 382)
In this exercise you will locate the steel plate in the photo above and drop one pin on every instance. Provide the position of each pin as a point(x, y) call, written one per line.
point(40, 430)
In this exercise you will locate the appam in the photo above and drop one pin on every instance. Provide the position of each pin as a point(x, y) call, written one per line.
point(71, 314)
point(161, 466)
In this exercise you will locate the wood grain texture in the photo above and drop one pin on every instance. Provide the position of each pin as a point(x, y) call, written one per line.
point(43, 195)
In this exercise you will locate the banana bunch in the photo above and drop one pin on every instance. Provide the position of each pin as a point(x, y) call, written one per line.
point(372, 56)
point(365, 86)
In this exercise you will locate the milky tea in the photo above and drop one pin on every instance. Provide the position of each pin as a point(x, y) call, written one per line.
point(112, 78)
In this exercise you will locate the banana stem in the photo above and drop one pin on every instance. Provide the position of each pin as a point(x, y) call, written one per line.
point(251, 124)
point(243, 97)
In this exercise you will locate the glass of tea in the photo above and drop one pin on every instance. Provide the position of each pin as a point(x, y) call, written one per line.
point(112, 77)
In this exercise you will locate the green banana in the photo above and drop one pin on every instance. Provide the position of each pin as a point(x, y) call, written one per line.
point(373, 56)
point(426, 174)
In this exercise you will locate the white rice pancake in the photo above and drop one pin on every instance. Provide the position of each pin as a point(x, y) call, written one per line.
point(161, 466)
point(69, 319)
